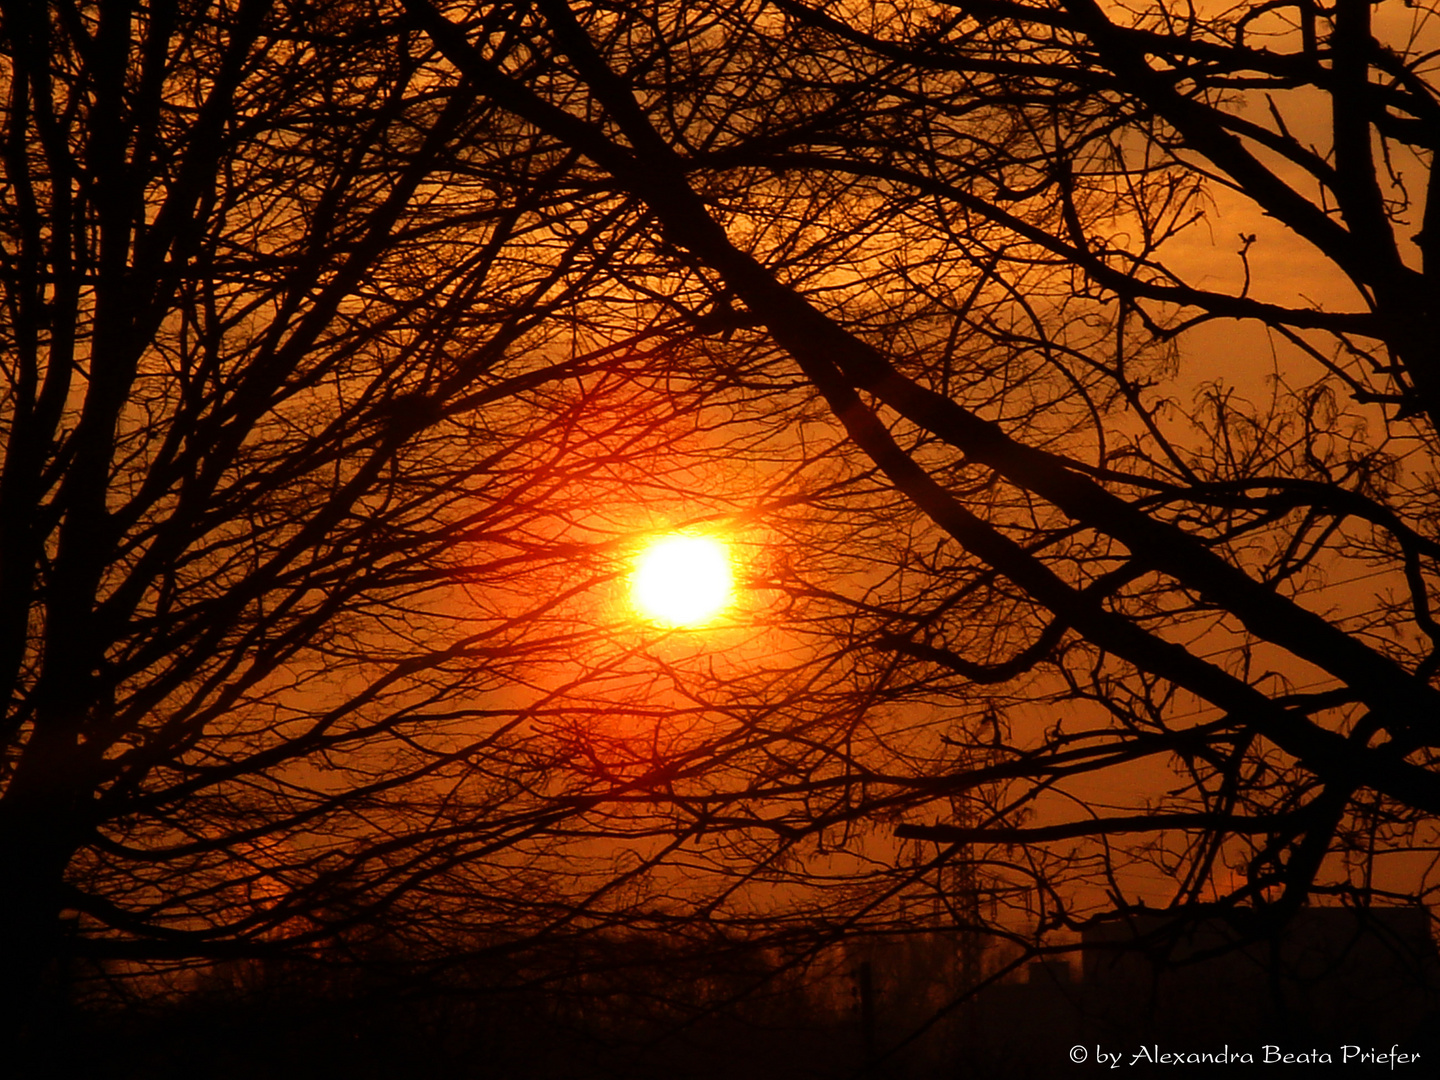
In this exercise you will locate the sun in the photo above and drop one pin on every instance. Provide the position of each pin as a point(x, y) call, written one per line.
point(682, 580)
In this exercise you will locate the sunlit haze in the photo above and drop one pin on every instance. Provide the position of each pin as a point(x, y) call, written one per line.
point(681, 580)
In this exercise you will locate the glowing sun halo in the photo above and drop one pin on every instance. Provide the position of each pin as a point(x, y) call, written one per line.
point(681, 580)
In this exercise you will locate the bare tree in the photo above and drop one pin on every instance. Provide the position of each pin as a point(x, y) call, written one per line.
point(336, 398)
point(974, 229)
point(348, 350)
point(311, 408)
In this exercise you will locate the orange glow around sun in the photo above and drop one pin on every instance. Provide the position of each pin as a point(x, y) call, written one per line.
point(682, 580)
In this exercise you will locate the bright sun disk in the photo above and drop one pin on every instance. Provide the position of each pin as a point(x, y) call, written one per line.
point(682, 580)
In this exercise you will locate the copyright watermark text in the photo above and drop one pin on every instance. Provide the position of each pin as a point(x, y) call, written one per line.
point(1265, 1055)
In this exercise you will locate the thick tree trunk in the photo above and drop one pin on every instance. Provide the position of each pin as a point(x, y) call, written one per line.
point(40, 830)
point(33, 989)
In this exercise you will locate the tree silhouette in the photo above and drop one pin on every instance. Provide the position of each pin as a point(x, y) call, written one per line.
point(311, 409)
point(973, 229)
point(336, 399)
point(350, 348)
